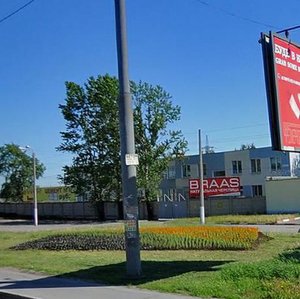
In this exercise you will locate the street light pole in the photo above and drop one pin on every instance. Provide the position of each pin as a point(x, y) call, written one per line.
point(202, 210)
point(35, 191)
point(129, 159)
point(35, 204)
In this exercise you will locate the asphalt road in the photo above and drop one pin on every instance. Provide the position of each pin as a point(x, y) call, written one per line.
point(21, 225)
point(18, 225)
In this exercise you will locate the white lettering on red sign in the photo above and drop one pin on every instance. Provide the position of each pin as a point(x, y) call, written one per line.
point(194, 184)
point(287, 76)
point(214, 186)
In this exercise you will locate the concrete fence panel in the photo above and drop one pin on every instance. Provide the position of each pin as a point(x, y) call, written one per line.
point(68, 210)
point(189, 208)
point(111, 210)
point(89, 210)
point(229, 205)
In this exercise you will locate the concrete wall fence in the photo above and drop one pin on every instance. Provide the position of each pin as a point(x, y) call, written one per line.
point(162, 209)
point(68, 210)
point(229, 206)
point(213, 206)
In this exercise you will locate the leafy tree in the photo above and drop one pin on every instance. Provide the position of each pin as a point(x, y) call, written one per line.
point(17, 169)
point(156, 144)
point(247, 146)
point(92, 136)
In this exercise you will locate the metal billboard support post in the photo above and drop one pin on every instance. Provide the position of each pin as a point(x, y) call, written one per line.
point(35, 209)
point(202, 210)
point(129, 159)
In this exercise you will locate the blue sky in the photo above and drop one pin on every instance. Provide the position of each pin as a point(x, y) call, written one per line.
point(204, 53)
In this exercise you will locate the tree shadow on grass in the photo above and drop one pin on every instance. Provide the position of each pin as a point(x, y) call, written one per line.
point(115, 274)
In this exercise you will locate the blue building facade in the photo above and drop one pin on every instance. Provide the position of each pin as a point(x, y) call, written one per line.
point(253, 166)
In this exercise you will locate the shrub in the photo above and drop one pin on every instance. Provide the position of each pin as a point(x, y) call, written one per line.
point(281, 289)
point(262, 270)
point(292, 255)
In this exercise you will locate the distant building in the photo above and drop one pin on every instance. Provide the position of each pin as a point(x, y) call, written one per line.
point(58, 193)
point(253, 166)
point(283, 195)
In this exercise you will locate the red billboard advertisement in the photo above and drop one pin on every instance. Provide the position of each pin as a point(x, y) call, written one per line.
point(282, 70)
point(214, 186)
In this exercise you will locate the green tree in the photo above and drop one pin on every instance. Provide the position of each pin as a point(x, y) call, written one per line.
point(17, 169)
point(92, 136)
point(247, 146)
point(156, 143)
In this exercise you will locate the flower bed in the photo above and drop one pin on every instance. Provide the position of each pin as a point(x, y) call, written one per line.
point(199, 237)
point(153, 238)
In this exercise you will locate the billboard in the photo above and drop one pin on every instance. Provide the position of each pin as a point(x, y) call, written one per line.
point(214, 186)
point(282, 74)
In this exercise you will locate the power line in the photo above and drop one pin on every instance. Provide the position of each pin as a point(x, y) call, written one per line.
point(236, 128)
point(234, 15)
point(16, 11)
point(236, 138)
point(227, 140)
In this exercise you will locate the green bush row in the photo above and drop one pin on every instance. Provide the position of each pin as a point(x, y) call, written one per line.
point(285, 266)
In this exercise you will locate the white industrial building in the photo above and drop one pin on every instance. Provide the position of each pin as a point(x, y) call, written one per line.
point(253, 167)
point(282, 195)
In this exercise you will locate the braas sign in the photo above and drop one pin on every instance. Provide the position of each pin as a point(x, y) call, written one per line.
point(194, 188)
point(282, 73)
point(214, 186)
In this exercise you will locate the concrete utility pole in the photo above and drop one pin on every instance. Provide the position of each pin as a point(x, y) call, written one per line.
point(35, 204)
point(129, 159)
point(202, 210)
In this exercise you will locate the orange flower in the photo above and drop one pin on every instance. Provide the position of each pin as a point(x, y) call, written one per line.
point(216, 236)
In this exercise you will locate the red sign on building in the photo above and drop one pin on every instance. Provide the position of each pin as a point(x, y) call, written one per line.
point(194, 188)
point(282, 71)
point(214, 186)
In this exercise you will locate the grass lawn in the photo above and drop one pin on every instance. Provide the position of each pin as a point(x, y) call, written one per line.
point(234, 219)
point(221, 274)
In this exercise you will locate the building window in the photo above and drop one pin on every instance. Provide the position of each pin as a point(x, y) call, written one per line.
point(236, 167)
point(275, 163)
point(257, 190)
point(164, 174)
point(219, 173)
point(171, 172)
point(204, 169)
point(53, 196)
point(255, 166)
point(186, 170)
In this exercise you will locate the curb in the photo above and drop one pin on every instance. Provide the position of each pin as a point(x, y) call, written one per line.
point(288, 220)
point(4, 295)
